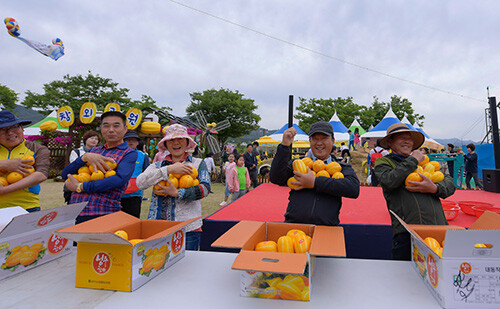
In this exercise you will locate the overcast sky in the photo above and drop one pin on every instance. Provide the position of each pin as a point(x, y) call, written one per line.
point(166, 50)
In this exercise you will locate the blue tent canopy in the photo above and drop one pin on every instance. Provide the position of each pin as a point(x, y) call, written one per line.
point(283, 128)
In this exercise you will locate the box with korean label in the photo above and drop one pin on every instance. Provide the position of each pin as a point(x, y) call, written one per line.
point(108, 261)
point(461, 267)
point(28, 239)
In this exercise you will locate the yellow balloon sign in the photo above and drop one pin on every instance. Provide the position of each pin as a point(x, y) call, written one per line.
point(112, 107)
point(134, 117)
point(87, 112)
point(65, 116)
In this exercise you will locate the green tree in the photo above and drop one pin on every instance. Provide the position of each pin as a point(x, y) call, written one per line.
point(8, 97)
point(312, 110)
point(218, 105)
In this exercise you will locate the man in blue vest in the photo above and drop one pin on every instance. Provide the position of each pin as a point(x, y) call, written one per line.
point(132, 198)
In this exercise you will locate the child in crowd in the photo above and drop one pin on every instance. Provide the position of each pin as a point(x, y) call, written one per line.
point(357, 140)
point(168, 202)
point(209, 161)
point(225, 169)
point(238, 179)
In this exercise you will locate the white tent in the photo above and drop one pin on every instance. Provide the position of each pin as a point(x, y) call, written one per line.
point(429, 142)
point(339, 129)
point(301, 135)
point(380, 130)
point(407, 122)
point(34, 129)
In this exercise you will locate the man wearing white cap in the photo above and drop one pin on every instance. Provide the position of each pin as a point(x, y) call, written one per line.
point(417, 203)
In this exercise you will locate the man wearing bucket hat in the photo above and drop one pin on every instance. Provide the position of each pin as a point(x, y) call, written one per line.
point(132, 198)
point(316, 200)
point(417, 203)
point(182, 203)
point(24, 176)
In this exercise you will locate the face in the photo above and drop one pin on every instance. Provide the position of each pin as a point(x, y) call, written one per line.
point(321, 145)
point(249, 148)
point(401, 144)
point(177, 146)
point(91, 142)
point(11, 136)
point(113, 130)
point(469, 150)
point(132, 142)
point(230, 158)
point(241, 162)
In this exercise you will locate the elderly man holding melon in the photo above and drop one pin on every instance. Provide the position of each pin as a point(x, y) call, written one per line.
point(317, 184)
point(411, 184)
point(23, 165)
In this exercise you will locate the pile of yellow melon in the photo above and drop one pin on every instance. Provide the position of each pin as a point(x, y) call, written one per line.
point(124, 235)
point(318, 168)
point(295, 241)
point(87, 173)
point(429, 169)
point(180, 181)
point(12, 177)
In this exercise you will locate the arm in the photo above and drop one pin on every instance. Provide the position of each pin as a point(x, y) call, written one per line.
point(248, 160)
point(151, 176)
point(28, 181)
point(281, 169)
point(247, 175)
point(230, 179)
point(346, 187)
point(124, 171)
point(72, 168)
point(200, 191)
point(392, 178)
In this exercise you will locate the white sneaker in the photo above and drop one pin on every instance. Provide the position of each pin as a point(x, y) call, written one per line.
point(224, 203)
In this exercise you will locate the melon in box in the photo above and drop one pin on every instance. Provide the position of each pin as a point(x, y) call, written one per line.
point(278, 275)
point(107, 261)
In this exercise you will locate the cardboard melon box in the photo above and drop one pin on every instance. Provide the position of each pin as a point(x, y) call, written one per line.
point(277, 275)
point(106, 261)
point(28, 240)
point(466, 276)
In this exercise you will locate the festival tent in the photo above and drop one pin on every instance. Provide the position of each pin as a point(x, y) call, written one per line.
point(339, 129)
point(355, 124)
point(429, 142)
point(380, 129)
point(267, 141)
point(301, 135)
point(407, 122)
point(301, 145)
point(34, 129)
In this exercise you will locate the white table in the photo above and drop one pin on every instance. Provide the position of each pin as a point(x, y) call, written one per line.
point(205, 280)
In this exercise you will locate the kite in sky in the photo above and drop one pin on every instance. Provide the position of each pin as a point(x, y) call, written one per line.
point(54, 51)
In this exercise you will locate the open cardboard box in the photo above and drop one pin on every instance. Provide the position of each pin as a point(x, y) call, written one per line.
point(106, 261)
point(465, 276)
point(27, 240)
point(279, 275)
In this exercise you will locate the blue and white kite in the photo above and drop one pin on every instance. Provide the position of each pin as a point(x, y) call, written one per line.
point(54, 51)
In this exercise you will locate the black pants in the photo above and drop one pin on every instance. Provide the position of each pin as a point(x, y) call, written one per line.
point(253, 177)
point(132, 205)
point(401, 247)
point(468, 177)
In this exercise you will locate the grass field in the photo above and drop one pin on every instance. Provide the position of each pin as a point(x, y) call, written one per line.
point(51, 196)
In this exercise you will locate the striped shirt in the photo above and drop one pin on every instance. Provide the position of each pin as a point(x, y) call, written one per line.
point(103, 196)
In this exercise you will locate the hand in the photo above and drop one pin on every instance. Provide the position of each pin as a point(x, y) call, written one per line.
point(98, 161)
point(15, 165)
point(418, 155)
point(288, 136)
point(72, 183)
point(2, 189)
point(304, 181)
point(425, 186)
point(179, 168)
point(169, 190)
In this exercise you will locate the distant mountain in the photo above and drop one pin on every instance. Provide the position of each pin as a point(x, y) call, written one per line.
point(455, 141)
point(252, 136)
point(28, 114)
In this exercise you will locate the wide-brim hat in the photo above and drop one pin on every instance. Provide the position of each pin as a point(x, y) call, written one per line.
point(176, 131)
point(417, 137)
point(8, 119)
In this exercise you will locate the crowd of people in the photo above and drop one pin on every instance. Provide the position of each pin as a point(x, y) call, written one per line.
point(313, 200)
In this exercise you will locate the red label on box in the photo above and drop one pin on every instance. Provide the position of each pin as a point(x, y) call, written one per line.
point(101, 263)
point(47, 218)
point(177, 241)
point(56, 244)
point(465, 268)
point(432, 270)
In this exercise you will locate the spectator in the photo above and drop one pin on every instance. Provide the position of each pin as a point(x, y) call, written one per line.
point(451, 164)
point(132, 198)
point(424, 150)
point(256, 152)
point(15, 153)
point(251, 165)
point(209, 161)
point(417, 202)
point(471, 170)
point(357, 140)
point(351, 140)
point(373, 155)
point(168, 202)
point(344, 151)
point(90, 139)
point(225, 169)
point(315, 200)
point(104, 195)
point(238, 179)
